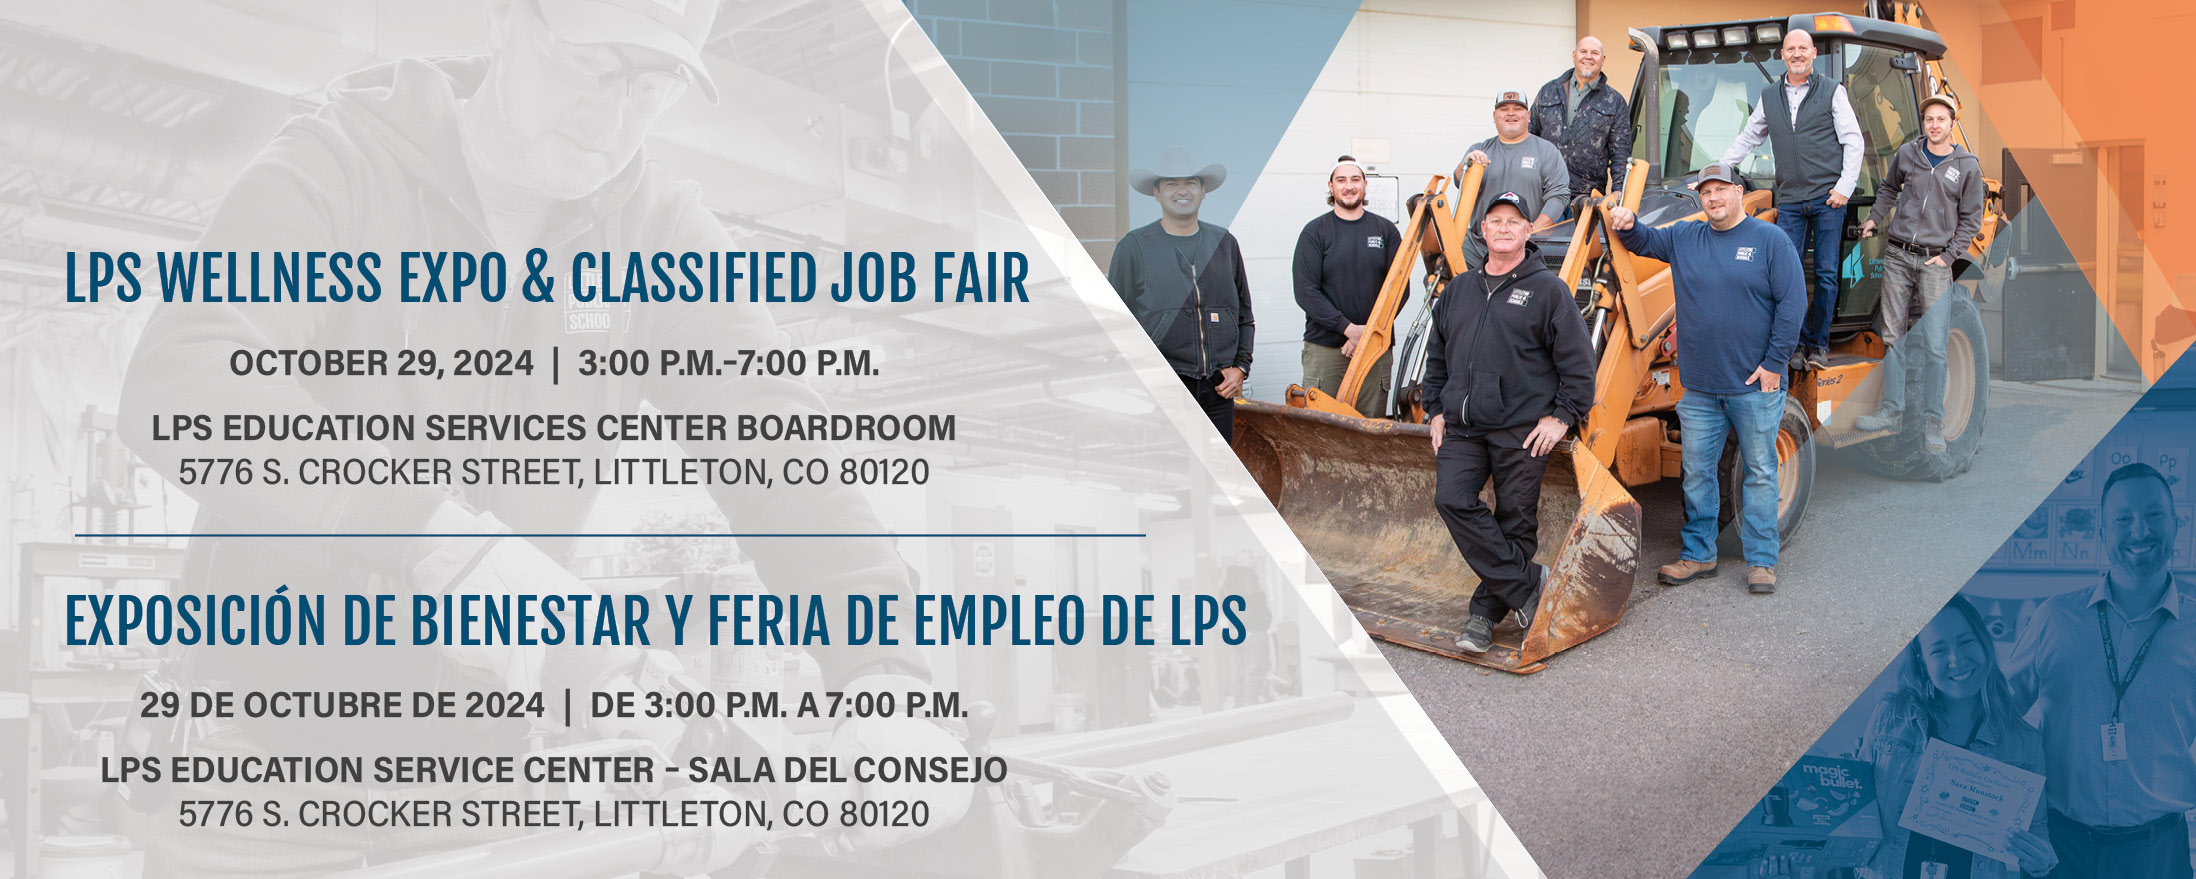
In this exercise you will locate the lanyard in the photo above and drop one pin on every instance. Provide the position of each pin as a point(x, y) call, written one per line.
point(2112, 659)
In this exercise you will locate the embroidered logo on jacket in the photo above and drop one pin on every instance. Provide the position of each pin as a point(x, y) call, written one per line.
point(1951, 175)
point(585, 317)
point(1376, 242)
point(1518, 297)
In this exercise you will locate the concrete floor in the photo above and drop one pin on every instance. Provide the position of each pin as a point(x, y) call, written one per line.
point(1633, 754)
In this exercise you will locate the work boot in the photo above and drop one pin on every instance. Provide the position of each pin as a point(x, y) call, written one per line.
point(1478, 635)
point(1933, 434)
point(1884, 418)
point(1818, 358)
point(1760, 580)
point(1684, 571)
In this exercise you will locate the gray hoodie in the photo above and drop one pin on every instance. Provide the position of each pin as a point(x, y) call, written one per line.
point(1937, 207)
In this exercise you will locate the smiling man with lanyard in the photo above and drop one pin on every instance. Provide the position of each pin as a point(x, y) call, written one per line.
point(2110, 667)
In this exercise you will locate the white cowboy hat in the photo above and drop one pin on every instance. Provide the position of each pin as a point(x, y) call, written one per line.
point(1176, 162)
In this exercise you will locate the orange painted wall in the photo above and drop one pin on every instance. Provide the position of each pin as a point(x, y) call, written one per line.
point(2104, 72)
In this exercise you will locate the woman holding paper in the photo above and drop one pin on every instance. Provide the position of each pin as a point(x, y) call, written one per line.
point(1950, 688)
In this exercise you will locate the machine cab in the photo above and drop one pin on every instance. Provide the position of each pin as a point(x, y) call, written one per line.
point(1698, 85)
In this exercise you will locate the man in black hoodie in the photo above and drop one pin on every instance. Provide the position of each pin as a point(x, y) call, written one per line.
point(1183, 278)
point(1937, 188)
point(1509, 371)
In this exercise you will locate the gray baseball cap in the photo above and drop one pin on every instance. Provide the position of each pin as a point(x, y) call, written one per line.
point(1720, 173)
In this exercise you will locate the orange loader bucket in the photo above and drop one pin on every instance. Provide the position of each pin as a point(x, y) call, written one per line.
point(1359, 494)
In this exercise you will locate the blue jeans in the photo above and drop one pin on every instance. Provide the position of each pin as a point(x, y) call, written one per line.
point(1705, 419)
point(1800, 219)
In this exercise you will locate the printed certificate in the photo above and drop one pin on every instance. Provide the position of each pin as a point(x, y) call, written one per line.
point(1970, 800)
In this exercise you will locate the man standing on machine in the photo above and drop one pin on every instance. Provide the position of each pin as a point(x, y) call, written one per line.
point(1519, 163)
point(1937, 188)
point(1589, 121)
point(1816, 140)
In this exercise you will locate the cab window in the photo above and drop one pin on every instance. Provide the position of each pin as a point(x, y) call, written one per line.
point(1883, 103)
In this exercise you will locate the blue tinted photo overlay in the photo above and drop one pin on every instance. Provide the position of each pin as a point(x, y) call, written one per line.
point(2044, 722)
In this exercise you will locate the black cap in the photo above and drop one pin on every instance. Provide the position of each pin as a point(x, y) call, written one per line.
point(1720, 173)
point(1511, 199)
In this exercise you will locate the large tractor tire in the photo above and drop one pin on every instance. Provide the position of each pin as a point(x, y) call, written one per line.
point(1966, 402)
point(1795, 473)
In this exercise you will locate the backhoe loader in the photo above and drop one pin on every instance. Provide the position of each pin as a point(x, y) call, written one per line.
point(1358, 488)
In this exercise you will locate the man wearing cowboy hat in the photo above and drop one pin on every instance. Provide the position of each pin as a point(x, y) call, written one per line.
point(1520, 165)
point(1937, 188)
point(1342, 258)
point(1184, 281)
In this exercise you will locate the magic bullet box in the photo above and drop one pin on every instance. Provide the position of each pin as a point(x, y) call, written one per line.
point(1824, 805)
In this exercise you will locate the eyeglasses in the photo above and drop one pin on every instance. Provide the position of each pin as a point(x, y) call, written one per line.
point(647, 89)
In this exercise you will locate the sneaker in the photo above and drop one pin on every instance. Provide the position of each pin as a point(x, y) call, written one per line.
point(1524, 618)
point(1478, 635)
point(1525, 614)
point(1760, 580)
point(1818, 358)
point(1933, 435)
point(1881, 419)
point(1684, 571)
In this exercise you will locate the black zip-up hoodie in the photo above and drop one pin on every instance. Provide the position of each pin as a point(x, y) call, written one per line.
point(1506, 351)
point(1201, 328)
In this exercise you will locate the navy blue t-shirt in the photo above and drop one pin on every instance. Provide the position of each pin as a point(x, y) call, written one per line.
point(1740, 299)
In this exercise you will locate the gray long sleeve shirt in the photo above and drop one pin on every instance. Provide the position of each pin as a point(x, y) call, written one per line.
point(1532, 168)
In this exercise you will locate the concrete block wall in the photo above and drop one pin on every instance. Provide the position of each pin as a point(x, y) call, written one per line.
point(1043, 70)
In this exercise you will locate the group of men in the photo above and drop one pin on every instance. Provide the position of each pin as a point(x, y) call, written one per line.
point(1509, 364)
